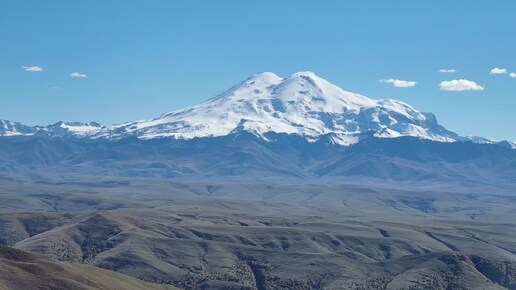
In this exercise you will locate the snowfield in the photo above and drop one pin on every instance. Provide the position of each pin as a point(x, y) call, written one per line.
point(302, 104)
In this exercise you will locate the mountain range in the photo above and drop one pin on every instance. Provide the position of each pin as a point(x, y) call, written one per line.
point(300, 127)
point(302, 104)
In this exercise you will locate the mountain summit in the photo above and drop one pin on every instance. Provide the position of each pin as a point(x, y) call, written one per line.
point(303, 104)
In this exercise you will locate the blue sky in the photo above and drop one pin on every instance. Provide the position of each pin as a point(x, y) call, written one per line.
point(143, 58)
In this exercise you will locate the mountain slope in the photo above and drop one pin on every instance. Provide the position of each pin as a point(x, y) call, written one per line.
point(245, 155)
point(23, 270)
point(302, 104)
point(409, 158)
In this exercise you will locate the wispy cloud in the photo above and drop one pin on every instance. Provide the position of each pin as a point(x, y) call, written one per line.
point(512, 75)
point(399, 83)
point(448, 70)
point(78, 75)
point(498, 71)
point(460, 85)
point(32, 68)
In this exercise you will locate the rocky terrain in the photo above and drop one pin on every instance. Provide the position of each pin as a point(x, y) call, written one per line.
point(197, 235)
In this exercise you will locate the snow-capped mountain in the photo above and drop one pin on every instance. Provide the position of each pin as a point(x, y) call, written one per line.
point(77, 129)
point(302, 104)
point(59, 129)
point(9, 128)
point(506, 144)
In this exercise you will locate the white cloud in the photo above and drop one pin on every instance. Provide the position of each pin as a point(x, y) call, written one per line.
point(32, 68)
point(498, 71)
point(460, 85)
point(399, 83)
point(78, 75)
point(512, 75)
point(448, 70)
